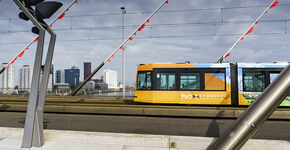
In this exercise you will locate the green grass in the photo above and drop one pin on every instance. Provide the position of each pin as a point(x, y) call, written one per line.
point(286, 102)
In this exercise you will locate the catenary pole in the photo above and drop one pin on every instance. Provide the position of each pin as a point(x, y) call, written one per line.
point(75, 91)
point(252, 25)
point(258, 112)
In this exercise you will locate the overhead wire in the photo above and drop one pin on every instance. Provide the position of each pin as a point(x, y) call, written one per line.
point(164, 11)
point(157, 25)
point(156, 37)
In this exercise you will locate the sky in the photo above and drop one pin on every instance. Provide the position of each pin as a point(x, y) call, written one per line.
point(183, 30)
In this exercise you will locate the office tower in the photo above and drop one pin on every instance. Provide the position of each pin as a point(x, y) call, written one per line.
point(110, 77)
point(51, 73)
point(72, 76)
point(25, 77)
point(7, 79)
point(50, 83)
point(87, 69)
point(60, 78)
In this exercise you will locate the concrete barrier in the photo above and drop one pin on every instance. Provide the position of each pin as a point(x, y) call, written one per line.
point(145, 110)
point(10, 138)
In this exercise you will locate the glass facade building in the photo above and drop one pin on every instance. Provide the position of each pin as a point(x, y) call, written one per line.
point(72, 77)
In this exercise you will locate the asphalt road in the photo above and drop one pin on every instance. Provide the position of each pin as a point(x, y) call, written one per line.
point(205, 127)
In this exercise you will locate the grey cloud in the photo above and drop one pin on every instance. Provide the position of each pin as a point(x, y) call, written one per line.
point(266, 48)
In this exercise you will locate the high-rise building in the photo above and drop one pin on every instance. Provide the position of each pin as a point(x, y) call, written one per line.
point(59, 75)
point(25, 77)
point(50, 83)
point(72, 77)
point(51, 72)
point(87, 69)
point(7, 79)
point(110, 77)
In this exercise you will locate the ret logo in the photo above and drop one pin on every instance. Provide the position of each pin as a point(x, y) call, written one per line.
point(192, 96)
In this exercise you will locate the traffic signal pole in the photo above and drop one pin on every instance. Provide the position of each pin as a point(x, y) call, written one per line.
point(38, 122)
point(33, 129)
point(258, 112)
point(29, 129)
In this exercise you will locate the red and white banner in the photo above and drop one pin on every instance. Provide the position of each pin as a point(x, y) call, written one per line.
point(249, 30)
point(36, 38)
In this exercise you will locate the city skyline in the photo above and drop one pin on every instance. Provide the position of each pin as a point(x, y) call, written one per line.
point(23, 80)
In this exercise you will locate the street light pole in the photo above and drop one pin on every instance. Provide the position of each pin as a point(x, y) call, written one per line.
point(123, 33)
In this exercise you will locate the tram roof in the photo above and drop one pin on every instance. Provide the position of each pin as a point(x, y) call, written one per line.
point(263, 65)
point(212, 65)
point(183, 65)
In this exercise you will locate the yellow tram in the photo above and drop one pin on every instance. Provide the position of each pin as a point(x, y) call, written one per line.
point(205, 84)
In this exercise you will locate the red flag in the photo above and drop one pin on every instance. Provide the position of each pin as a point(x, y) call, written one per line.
point(257, 22)
point(266, 11)
point(135, 34)
point(130, 38)
point(147, 20)
point(113, 55)
point(76, 1)
point(242, 38)
point(50, 25)
point(250, 30)
point(67, 10)
point(227, 55)
point(143, 25)
point(13, 61)
point(166, 2)
point(21, 54)
point(274, 4)
point(36, 39)
point(109, 60)
point(121, 47)
point(26, 48)
point(61, 16)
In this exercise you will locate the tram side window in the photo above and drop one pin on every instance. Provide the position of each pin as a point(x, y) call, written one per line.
point(214, 81)
point(165, 81)
point(254, 82)
point(273, 76)
point(190, 81)
point(144, 81)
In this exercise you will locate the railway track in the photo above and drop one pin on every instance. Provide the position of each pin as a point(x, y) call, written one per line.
point(119, 106)
point(69, 99)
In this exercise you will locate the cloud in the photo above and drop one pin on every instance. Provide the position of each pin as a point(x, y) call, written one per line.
point(169, 37)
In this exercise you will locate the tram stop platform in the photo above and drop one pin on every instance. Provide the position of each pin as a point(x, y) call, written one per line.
point(11, 139)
